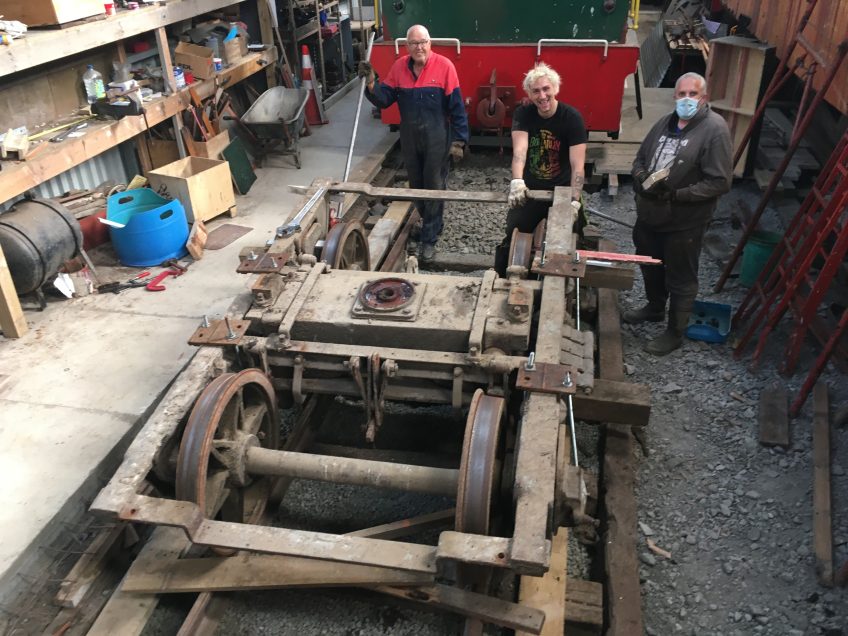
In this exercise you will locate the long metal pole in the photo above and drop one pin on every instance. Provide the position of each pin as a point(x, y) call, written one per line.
point(362, 83)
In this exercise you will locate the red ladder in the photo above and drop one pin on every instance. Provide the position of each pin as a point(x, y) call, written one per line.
point(801, 270)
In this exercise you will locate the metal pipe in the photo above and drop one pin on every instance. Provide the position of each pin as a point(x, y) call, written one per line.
point(608, 217)
point(356, 472)
point(362, 83)
point(294, 224)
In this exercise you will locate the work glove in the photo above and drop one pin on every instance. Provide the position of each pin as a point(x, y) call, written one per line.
point(638, 178)
point(517, 193)
point(367, 71)
point(662, 191)
point(457, 151)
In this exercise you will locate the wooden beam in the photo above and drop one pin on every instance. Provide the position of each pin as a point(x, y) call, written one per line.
point(127, 614)
point(43, 46)
point(822, 525)
point(548, 592)
point(17, 178)
point(584, 607)
point(12, 320)
point(418, 194)
point(623, 593)
point(266, 29)
point(614, 402)
point(535, 469)
point(82, 576)
point(473, 605)
point(774, 417)
point(256, 572)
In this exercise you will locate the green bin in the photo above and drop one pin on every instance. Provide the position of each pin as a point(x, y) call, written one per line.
point(756, 254)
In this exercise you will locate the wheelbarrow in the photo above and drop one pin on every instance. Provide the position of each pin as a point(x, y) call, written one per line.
point(276, 119)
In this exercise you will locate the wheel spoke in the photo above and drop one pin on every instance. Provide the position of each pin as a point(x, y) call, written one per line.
point(216, 491)
point(254, 415)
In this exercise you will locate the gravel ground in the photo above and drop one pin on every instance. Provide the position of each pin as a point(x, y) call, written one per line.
point(736, 517)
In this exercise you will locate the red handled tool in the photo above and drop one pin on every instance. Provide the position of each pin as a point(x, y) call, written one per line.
point(155, 284)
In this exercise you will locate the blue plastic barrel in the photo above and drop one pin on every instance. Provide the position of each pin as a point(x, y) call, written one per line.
point(155, 229)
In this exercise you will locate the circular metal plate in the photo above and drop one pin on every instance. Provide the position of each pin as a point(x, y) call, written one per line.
point(232, 406)
point(387, 294)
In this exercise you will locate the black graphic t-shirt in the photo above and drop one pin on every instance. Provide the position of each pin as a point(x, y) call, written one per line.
point(547, 163)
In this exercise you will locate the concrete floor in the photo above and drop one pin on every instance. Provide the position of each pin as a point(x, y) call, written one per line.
point(75, 389)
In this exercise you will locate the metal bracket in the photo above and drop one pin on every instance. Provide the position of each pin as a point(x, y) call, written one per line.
point(222, 333)
point(266, 263)
point(559, 265)
point(545, 377)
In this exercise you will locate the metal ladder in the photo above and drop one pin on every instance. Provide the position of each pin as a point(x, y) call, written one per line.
point(800, 272)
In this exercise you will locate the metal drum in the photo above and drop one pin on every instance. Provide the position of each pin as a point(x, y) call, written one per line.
point(38, 236)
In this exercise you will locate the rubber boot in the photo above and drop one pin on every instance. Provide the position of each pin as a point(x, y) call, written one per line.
point(652, 312)
point(672, 337)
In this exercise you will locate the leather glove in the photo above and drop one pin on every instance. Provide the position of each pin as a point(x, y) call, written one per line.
point(517, 193)
point(457, 151)
point(367, 71)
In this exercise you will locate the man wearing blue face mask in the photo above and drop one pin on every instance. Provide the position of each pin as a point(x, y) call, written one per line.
point(693, 143)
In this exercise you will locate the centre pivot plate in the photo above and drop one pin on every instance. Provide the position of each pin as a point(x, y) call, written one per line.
point(389, 299)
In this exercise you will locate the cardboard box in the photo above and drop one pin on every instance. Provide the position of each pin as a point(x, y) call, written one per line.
point(212, 148)
point(43, 12)
point(203, 186)
point(234, 50)
point(198, 59)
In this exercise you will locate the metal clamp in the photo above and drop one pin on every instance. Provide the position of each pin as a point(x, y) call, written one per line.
point(439, 40)
point(577, 42)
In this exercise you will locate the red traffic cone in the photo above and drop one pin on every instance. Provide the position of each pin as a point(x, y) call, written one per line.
point(314, 114)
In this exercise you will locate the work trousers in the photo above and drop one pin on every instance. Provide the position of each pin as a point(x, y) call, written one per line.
point(425, 153)
point(677, 277)
point(524, 218)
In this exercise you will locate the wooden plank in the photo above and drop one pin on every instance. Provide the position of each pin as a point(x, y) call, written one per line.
point(535, 470)
point(257, 572)
point(485, 608)
point(40, 47)
point(12, 320)
point(614, 402)
point(406, 527)
point(622, 591)
point(127, 614)
point(17, 178)
point(822, 526)
point(385, 230)
point(774, 417)
point(548, 593)
point(584, 607)
point(78, 582)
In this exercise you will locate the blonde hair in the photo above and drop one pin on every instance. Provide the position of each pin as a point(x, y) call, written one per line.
point(541, 71)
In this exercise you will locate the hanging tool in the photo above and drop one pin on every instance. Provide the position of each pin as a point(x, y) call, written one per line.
point(155, 284)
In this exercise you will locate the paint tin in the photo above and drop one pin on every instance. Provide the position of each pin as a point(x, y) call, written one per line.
point(219, 63)
point(179, 77)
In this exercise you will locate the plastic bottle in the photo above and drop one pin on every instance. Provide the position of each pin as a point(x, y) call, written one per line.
point(93, 82)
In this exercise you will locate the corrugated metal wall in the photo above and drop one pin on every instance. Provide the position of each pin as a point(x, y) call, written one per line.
point(775, 22)
point(107, 166)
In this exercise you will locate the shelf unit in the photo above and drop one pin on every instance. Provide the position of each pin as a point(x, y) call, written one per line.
point(297, 35)
point(43, 47)
point(736, 79)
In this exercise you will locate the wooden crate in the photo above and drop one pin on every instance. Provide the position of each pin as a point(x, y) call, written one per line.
point(45, 12)
point(203, 186)
point(213, 148)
